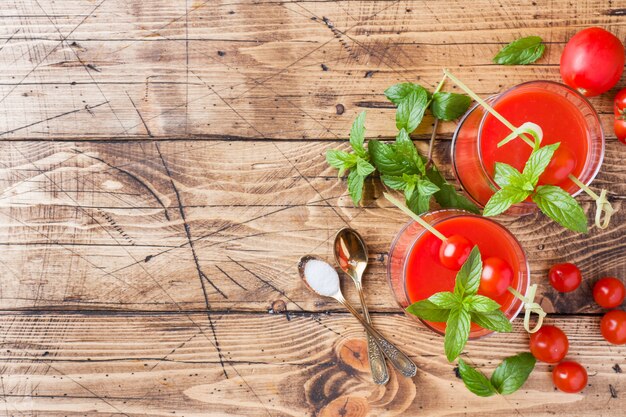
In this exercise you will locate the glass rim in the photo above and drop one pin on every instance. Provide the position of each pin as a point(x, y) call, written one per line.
point(461, 213)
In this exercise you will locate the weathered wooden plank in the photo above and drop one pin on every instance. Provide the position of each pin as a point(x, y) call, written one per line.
point(105, 69)
point(99, 226)
point(73, 364)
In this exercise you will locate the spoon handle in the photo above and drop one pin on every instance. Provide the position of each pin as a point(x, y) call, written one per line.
point(378, 367)
point(397, 358)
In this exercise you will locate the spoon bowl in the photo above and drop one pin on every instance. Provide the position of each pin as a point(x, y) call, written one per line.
point(351, 253)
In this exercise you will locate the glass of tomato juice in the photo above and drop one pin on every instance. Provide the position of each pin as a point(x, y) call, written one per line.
point(563, 114)
point(415, 273)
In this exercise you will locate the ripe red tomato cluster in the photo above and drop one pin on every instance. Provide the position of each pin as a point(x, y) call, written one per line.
point(550, 344)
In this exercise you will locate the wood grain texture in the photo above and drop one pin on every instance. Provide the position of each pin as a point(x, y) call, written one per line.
point(74, 364)
point(162, 170)
point(81, 217)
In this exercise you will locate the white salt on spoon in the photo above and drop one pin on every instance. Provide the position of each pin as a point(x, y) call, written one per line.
point(321, 277)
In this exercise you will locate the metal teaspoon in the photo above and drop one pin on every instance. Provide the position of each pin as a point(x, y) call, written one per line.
point(351, 255)
point(397, 358)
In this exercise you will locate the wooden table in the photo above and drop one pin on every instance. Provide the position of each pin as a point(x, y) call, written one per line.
point(162, 171)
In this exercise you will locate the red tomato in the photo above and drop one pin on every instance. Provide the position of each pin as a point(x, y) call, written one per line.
point(496, 277)
point(565, 277)
point(549, 344)
point(609, 292)
point(619, 109)
point(454, 251)
point(569, 376)
point(613, 327)
point(561, 165)
point(592, 61)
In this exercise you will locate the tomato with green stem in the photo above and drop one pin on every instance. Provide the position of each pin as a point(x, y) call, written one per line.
point(495, 278)
point(454, 251)
point(570, 377)
point(549, 344)
point(609, 292)
point(565, 277)
point(613, 327)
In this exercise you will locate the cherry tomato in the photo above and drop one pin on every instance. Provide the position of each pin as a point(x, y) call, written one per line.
point(569, 376)
point(592, 61)
point(613, 327)
point(496, 277)
point(609, 292)
point(549, 344)
point(562, 164)
point(619, 126)
point(565, 277)
point(454, 251)
point(619, 109)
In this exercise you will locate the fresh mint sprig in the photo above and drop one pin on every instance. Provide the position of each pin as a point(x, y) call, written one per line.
point(400, 166)
point(508, 377)
point(522, 51)
point(458, 309)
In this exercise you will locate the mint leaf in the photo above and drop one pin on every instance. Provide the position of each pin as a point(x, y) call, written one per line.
point(561, 207)
point(538, 161)
point(398, 92)
point(492, 320)
point(393, 182)
point(507, 175)
point(449, 106)
point(480, 303)
point(521, 51)
point(406, 151)
point(340, 159)
point(355, 186)
point(425, 187)
point(511, 374)
point(385, 159)
point(418, 203)
point(457, 332)
point(475, 381)
point(445, 300)
point(364, 168)
point(426, 310)
point(411, 110)
point(468, 277)
point(447, 196)
point(503, 199)
point(357, 136)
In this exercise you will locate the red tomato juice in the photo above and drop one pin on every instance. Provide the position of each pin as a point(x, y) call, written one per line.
point(559, 118)
point(425, 276)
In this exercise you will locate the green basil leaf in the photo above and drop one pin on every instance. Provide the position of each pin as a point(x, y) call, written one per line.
point(445, 300)
point(521, 51)
point(492, 320)
point(507, 175)
point(425, 187)
point(398, 92)
point(468, 277)
point(475, 381)
point(357, 136)
point(449, 106)
point(364, 168)
point(411, 110)
point(480, 303)
point(340, 159)
point(447, 196)
point(503, 199)
point(457, 332)
point(384, 158)
point(561, 207)
point(355, 186)
point(418, 203)
point(393, 182)
point(538, 161)
point(426, 310)
point(512, 373)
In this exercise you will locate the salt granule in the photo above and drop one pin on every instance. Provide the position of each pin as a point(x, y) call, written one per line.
point(321, 277)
